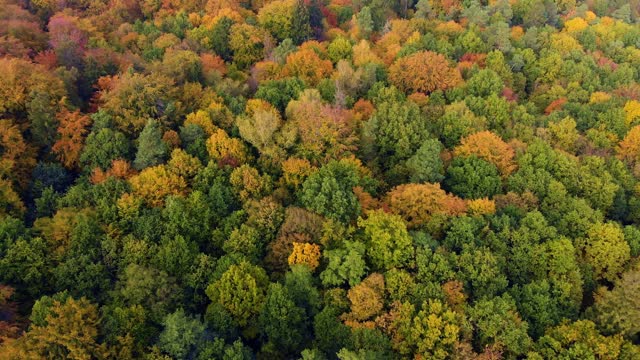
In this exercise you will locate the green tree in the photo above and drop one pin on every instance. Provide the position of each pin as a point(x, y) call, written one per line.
point(282, 322)
point(605, 250)
point(241, 291)
point(497, 320)
point(345, 265)
point(480, 270)
point(473, 178)
point(329, 191)
point(395, 132)
point(484, 83)
point(300, 23)
point(182, 335)
point(150, 288)
point(27, 264)
point(152, 150)
point(426, 164)
point(279, 92)
point(330, 333)
point(103, 145)
point(434, 330)
point(617, 311)
point(220, 36)
point(580, 340)
point(387, 240)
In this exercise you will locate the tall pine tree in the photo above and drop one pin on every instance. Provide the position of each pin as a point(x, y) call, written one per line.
point(300, 24)
point(151, 149)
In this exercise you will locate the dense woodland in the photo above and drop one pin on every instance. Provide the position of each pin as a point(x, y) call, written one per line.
point(315, 179)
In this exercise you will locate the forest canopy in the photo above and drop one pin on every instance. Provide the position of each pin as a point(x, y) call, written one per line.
point(319, 179)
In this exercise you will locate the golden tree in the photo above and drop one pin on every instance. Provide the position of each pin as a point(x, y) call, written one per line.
point(424, 71)
point(490, 147)
point(418, 203)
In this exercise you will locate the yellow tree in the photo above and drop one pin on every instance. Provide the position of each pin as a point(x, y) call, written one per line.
point(306, 254)
point(155, 183)
point(629, 148)
point(632, 112)
point(308, 66)
point(367, 301)
point(418, 203)
point(71, 332)
point(424, 71)
point(226, 150)
point(259, 123)
point(490, 147)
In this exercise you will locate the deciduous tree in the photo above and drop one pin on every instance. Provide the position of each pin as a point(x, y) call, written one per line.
point(424, 71)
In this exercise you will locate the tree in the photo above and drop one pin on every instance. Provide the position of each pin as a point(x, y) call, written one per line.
point(72, 131)
point(323, 132)
point(424, 71)
point(605, 249)
point(27, 264)
point(280, 92)
point(282, 322)
point(457, 122)
point(306, 65)
point(226, 150)
point(9, 327)
point(345, 265)
point(366, 299)
point(241, 290)
point(331, 334)
point(71, 331)
point(17, 159)
point(426, 165)
point(629, 148)
point(388, 242)
point(259, 125)
point(277, 17)
point(436, 329)
point(102, 146)
point(153, 184)
point(340, 49)
point(156, 292)
point(396, 131)
point(497, 321)
point(24, 81)
point(301, 22)
point(329, 191)
point(365, 22)
point(616, 311)
point(579, 339)
point(490, 147)
point(67, 39)
point(152, 150)
point(182, 335)
point(247, 43)
point(133, 98)
point(473, 178)
point(305, 253)
point(485, 83)
point(418, 203)
point(481, 271)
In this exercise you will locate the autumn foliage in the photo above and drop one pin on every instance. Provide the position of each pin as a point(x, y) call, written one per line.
point(424, 71)
point(72, 131)
point(490, 147)
point(418, 203)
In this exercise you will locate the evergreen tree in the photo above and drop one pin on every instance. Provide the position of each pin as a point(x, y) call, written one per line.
point(151, 149)
point(300, 23)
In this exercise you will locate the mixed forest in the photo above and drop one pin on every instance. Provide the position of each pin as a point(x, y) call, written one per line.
point(319, 179)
